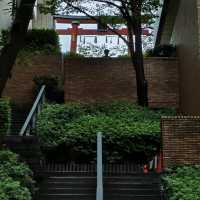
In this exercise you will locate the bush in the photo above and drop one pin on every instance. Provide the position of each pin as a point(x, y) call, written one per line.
point(182, 183)
point(162, 51)
point(5, 116)
point(73, 55)
point(4, 37)
point(15, 178)
point(54, 93)
point(130, 132)
point(42, 40)
point(37, 40)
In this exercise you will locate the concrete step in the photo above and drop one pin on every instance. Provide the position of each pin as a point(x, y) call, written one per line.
point(92, 190)
point(139, 186)
point(93, 197)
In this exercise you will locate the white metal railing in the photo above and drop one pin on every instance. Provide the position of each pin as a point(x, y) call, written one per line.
point(156, 163)
point(30, 122)
point(99, 190)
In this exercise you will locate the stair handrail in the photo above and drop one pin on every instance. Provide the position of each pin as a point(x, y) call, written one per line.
point(30, 122)
point(99, 189)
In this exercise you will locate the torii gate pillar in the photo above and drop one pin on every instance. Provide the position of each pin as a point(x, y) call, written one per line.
point(74, 36)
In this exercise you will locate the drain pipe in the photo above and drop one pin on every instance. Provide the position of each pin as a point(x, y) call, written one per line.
point(99, 190)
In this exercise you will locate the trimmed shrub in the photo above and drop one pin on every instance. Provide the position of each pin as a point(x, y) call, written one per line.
point(162, 51)
point(15, 178)
point(73, 55)
point(42, 40)
point(53, 90)
point(130, 132)
point(5, 116)
point(37, 40)
point(182, 183)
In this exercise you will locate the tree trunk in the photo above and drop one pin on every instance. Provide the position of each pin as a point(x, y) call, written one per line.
point(142, 85)
point(17, 36)
point(138, 64)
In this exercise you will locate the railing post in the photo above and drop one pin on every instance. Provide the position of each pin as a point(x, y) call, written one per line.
point(30, 122)
point(99, 190)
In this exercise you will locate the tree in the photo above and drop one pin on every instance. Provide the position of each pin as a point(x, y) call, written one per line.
point(19, 28)
point(132, 13)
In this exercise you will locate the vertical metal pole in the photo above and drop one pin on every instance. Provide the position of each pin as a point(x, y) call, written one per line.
point(99, 191)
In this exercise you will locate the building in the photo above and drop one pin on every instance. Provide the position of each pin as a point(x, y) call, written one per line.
point(39, 20)
point(180, 25)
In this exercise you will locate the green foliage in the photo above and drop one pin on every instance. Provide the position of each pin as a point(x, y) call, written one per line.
point(4, 37)
point(37, 41)
point(16, 181)
point(73, 55)
point(42, 40)
point(5, 116)
point(124, 56)
point(95, 50)
point(53, 90)
point(183, 183)
point(131, 132)
point(162, 51)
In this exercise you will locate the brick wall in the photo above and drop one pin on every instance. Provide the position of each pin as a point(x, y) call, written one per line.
point(181, 140)
point(89, 80)
point(20, 87)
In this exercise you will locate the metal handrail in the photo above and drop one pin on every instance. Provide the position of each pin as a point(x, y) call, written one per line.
point(30, 122)
point(99, 190)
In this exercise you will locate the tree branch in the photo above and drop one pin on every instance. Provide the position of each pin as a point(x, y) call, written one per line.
point(97, 20)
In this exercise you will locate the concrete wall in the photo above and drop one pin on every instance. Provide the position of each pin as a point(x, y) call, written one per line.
point(42, 21)
point(90, 80)
point(186, 37)
point(181, 140)
point(5, 18)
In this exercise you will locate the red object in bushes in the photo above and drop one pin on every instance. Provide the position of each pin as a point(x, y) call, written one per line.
point(145, 169)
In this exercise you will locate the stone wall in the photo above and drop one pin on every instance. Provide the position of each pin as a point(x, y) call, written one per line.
point(90, 80)
point(181, 140)
point(20, 86)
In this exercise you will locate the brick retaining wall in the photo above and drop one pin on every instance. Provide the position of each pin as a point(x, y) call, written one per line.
point(181, 140)
point(20, 87)
point(90, 80)
point(99, 79)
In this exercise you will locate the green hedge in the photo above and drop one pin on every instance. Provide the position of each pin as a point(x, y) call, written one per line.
point(42, 40)
point(53, 90)
point(183, 183)
point(130, 132)
point(165, 50)
point(37, 40)
point(16, 181)
point(5, 116)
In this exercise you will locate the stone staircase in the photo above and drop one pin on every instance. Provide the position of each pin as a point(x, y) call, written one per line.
point(63, 185)
point(138, 186)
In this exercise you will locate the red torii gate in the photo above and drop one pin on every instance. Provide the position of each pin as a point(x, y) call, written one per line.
point(75, 21)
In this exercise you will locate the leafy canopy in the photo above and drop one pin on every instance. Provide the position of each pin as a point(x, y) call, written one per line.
point(109, 12)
